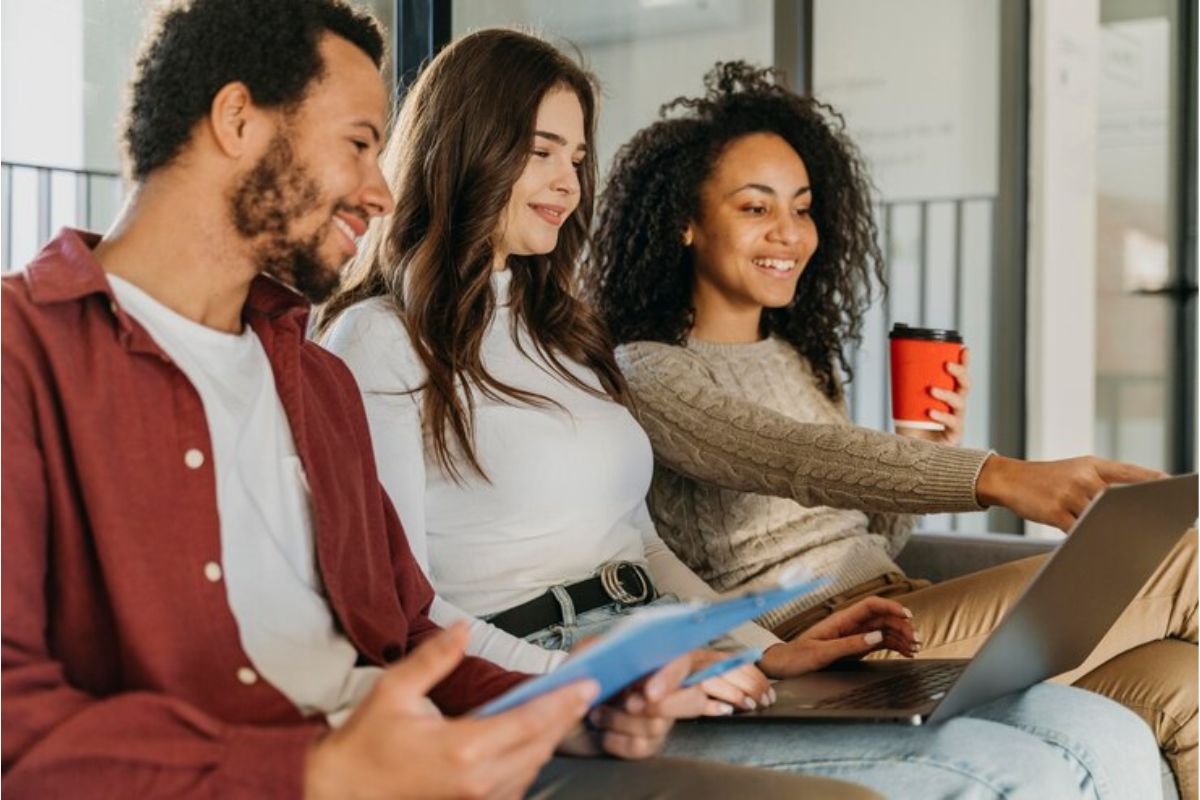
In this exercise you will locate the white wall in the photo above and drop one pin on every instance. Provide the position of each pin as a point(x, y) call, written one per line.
point(918, 82)
point(1134, 240)
point(1061, 274)
point(42, 121)
point(1062, 217)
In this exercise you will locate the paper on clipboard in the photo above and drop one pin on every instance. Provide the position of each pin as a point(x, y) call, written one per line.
point(648, 639)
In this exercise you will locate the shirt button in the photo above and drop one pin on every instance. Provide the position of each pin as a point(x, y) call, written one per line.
point(212, 571)
point(247, 676)
point(193, 458)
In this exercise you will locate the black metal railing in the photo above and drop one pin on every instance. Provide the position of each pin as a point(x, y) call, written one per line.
point(939, 259)
point(906, 271)
point(92, 199)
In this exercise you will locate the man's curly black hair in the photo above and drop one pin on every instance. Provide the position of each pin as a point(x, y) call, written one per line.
point(640, 273)
point(195, 48)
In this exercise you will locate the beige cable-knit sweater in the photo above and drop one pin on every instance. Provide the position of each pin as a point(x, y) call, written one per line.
point(756, 470)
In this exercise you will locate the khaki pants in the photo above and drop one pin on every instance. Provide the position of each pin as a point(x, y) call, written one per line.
point(1147, 661)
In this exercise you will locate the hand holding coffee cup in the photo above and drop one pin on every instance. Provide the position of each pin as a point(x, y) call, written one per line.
point(929, 383)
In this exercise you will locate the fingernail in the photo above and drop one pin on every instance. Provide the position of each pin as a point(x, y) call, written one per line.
point(916, 637)
point(765, 700)
point(635, 704)
point(773, 696)
point(749, 704)
point(908, 613)
point(874, 637)
point(724, 709)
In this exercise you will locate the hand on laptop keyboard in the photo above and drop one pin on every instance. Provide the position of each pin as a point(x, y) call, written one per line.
point(874, 623)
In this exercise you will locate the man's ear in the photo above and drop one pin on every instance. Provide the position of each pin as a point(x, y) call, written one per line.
point(689, 234)
point(235, 121)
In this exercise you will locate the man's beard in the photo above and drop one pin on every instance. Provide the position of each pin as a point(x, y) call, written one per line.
point(274, 193)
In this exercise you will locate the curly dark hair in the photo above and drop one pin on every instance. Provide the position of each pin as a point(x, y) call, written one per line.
point(639, 274)
point(194, 48)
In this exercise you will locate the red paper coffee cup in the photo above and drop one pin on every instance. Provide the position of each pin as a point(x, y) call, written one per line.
point(919, 357)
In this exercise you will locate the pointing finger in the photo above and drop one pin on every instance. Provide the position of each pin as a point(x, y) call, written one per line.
point(1121, 472)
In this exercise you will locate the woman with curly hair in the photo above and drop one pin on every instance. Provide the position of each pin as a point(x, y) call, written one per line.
point(498, 418)
point(733, 263)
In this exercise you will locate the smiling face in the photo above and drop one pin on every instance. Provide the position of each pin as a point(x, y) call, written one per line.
point(309, 197)
point(548, 190)
point(754, 235)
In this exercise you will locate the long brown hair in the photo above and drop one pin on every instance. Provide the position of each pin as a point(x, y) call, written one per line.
point(462, 140)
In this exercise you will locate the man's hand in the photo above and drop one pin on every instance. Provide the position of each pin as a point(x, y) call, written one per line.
point(393, 746)
point(1052, 492)
point(874, 623)
point(956, 420)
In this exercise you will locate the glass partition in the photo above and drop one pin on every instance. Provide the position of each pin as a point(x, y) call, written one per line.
point(64, 66)
point(1141, 282)
point(645, 52)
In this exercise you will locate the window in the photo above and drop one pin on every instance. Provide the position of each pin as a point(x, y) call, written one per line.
point(65, 66)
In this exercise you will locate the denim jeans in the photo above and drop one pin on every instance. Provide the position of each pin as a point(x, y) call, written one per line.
point(1046, 742)
point(575, 627)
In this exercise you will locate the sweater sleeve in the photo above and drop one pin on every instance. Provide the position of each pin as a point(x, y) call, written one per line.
point(61, 741)
point(375, 346)
point(702, 430)
point(672, 576)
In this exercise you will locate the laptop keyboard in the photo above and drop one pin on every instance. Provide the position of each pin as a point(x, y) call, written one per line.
point(903, 690)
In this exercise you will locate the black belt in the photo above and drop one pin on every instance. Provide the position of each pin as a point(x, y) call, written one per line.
point(617, 582)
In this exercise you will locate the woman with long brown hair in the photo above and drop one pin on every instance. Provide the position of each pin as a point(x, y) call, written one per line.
point(499, 421)
point(482, 368)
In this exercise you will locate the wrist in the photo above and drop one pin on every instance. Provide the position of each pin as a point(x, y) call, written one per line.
point(994, 476)
point(770, 663)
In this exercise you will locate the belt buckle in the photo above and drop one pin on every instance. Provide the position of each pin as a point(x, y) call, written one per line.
point(610, 579)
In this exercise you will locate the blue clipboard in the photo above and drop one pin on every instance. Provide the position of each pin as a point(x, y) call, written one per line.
point(649, 639)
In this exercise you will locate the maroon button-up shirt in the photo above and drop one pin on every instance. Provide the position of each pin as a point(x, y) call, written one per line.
point(121, 657)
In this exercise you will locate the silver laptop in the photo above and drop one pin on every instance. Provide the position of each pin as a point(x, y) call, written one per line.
point(1111, 551)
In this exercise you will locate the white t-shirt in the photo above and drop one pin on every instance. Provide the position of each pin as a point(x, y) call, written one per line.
point(567, 484)
point(268, 560)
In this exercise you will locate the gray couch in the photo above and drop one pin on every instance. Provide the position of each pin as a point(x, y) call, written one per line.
point(939, 556)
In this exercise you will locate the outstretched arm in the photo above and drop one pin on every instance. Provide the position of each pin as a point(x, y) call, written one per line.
point(707, 433)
